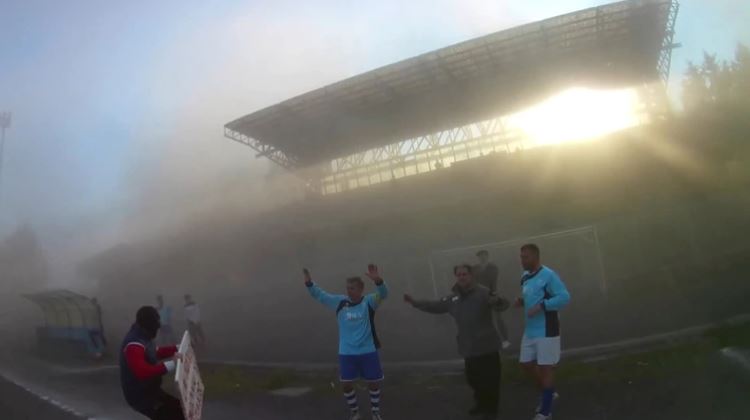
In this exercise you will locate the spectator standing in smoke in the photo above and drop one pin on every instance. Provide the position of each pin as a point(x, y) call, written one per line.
point(193, 318)
point(358, 341)
point(471, 305)
point(486, 274)
point(142, 366)
point(166, 333)
point(543, 294)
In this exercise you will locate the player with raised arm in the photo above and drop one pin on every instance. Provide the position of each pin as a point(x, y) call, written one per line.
point(358, 340)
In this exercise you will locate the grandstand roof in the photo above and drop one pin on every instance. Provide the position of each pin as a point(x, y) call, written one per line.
point(618, 44)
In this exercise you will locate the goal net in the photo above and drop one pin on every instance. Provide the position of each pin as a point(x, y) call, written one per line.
point(574, 254)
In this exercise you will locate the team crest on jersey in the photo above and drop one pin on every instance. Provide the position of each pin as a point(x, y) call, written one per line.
point(353, 316)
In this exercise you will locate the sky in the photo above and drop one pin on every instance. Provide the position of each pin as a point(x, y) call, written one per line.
point(118, 107)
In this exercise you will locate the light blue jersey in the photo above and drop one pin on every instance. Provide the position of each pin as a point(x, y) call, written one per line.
point(544, 286)
point(356, 320)
point(165, 315)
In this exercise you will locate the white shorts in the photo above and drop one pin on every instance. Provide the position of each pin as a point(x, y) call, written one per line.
point(544, 350)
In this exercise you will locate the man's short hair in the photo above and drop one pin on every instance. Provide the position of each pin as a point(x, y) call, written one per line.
point(532, 248)
point(356, 280)
point(462, 265)
point(483, 252)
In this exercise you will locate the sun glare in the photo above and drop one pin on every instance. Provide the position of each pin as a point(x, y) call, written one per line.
point(577, 114)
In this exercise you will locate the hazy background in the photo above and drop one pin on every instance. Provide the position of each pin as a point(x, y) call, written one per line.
point(118, 107)
point(116, 151)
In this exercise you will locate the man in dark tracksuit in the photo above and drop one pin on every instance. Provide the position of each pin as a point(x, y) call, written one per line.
point(141, 369)
point(471, 306)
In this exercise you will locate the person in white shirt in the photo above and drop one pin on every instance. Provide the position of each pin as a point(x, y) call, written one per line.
point(193, 318)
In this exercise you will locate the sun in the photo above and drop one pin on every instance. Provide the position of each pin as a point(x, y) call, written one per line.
point(577, 114)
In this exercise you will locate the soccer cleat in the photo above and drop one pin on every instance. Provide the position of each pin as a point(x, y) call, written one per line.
point(506, 345)
point(540, 416)
point(555, 396)
point(355, 416)
point(376, 416)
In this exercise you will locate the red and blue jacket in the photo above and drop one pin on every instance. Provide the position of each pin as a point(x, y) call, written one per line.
point(141, 368)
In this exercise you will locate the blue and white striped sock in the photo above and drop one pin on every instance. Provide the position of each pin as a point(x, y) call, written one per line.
point(375, 400)
point(351, 400)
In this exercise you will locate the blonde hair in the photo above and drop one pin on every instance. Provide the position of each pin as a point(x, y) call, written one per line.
point(356, 280)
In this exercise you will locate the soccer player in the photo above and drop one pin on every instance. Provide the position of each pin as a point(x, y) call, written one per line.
point(166, 334)
point(358, 341)
point(543, 294)
point(194, 326)
point(142, 365)
point(471, 305)
point(486, 274)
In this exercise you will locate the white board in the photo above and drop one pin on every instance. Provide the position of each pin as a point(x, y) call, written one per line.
point(189, 381)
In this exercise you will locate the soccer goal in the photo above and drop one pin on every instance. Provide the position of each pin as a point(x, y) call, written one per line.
point(574, 254)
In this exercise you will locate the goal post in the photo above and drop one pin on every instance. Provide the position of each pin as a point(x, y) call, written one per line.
point(574, 253)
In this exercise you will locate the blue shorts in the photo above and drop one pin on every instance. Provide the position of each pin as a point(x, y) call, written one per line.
point(360, 366)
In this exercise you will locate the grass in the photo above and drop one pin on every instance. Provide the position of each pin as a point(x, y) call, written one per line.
point(687, 355)
point(681, 357)
point(228, 380)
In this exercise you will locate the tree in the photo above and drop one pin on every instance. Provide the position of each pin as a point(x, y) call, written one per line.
point(714, 84)
point(24, 263)
point(741, 72)
point(694, 91)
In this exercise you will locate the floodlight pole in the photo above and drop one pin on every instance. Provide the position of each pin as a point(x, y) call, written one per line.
point(5, 118)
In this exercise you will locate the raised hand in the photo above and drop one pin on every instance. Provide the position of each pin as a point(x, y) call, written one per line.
point(306, 274)
point(373, 274)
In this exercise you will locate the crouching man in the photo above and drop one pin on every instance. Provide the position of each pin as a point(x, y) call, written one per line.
point(142, 366)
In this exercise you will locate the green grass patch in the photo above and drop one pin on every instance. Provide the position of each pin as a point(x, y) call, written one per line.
point(227, 380)
point(685, 356)
point(730, 336)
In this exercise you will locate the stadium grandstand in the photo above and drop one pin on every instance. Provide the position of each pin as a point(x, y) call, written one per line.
point(634, 223)
point(468, 100)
